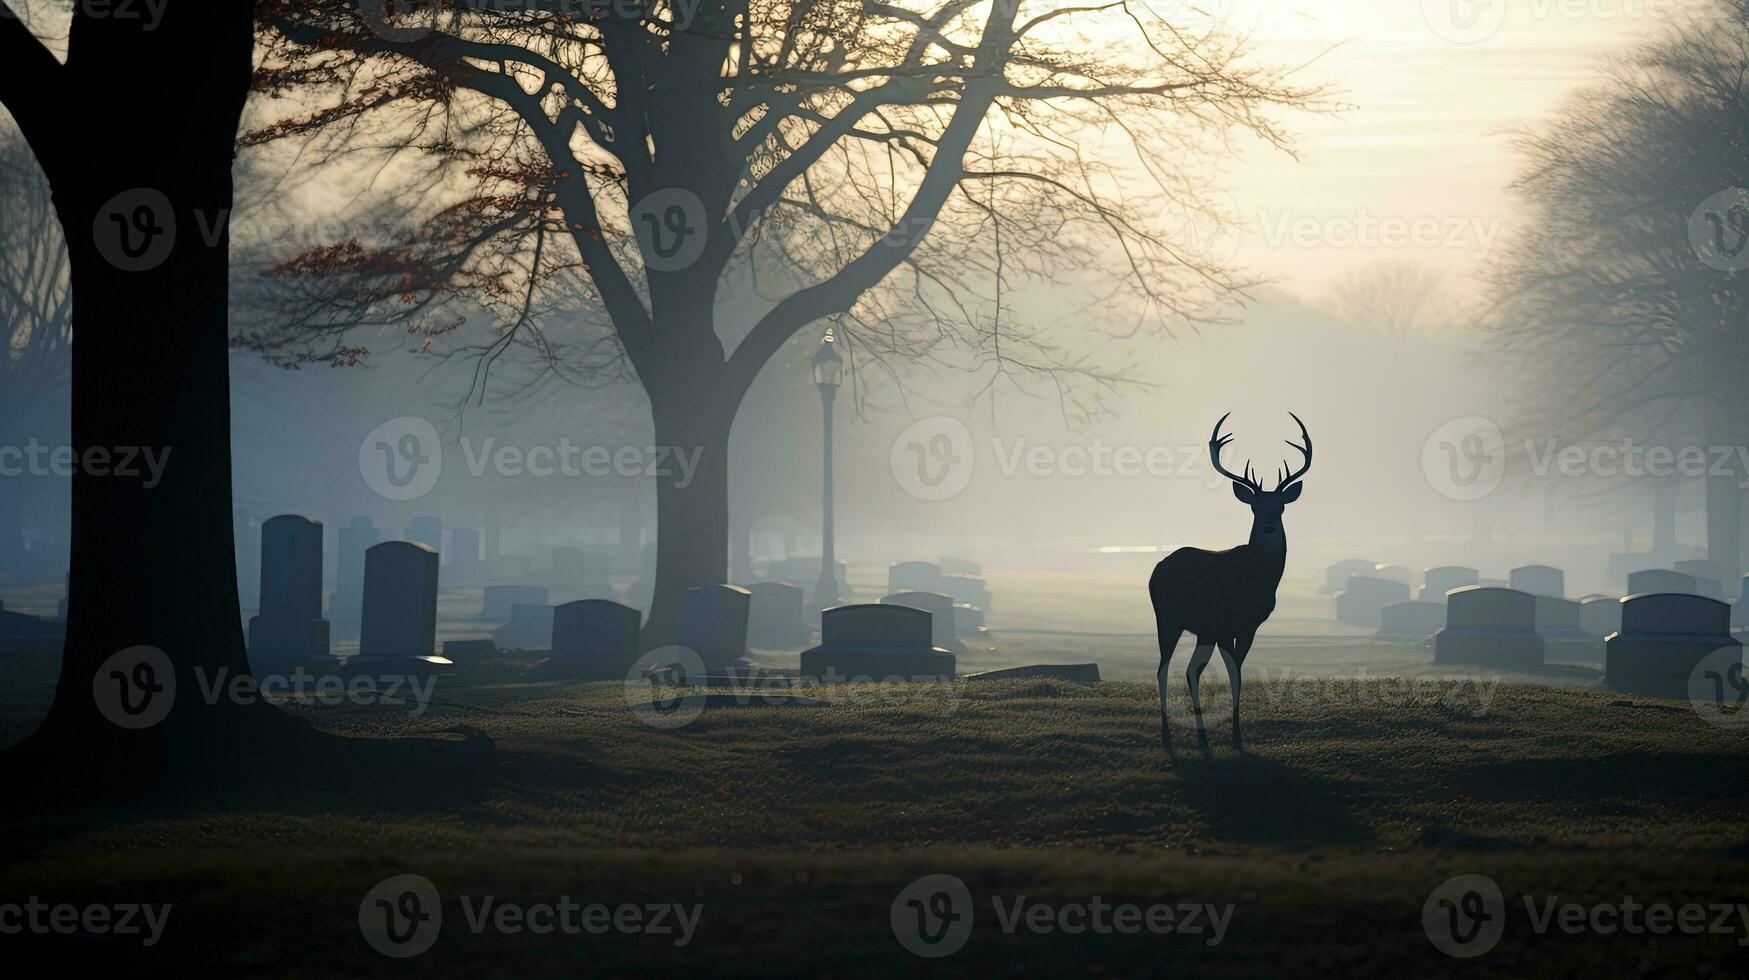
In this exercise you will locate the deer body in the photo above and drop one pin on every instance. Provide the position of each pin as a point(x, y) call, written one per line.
point(1223, 597)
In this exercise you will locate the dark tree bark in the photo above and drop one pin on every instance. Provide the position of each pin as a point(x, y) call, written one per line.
point(1724, 510)
point(692, 515)
point(1664, 518)
point(135, 117)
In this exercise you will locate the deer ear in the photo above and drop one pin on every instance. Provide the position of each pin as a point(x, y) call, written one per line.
point(1292, 493)
point(1244, 494)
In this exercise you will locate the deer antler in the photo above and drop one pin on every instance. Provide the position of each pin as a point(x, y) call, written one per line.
point(1216, 443)
point(1305, 450)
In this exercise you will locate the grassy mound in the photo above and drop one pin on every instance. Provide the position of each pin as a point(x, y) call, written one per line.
point(795, 829)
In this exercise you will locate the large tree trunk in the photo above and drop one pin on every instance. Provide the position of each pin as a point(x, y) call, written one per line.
point(151, 559)
point(741, 521)
point(1723, 514)
point(11, 529)
point(629, 547)
point(692, 515)
point(1664, 518)
point(1724, 510)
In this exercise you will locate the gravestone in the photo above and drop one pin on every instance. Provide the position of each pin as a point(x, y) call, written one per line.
point(289, 627)
point(1489, 627)
point(1364, 601)
point(1739, 609)
point(399, 630)
point(1411, 621)
point(1557, 621)
point(774, 617)
point(914, 576)
point(1663, 639)
point(1394, 573)
point(469, 651)
point(357, 536)
point(874, 642)
point(593, 640)
point(1336, 576)
point(1712, 588)
point(530, 628)
point(1700, 568)
point(427, 531)
point(1436, 582)
point(961, 588)
point(968, 620)
point(1657, 581)
point(713, 624)
point(501, 599)
point(465, 563)
point(960, 566)
point(941, 616)
point(1599, 615)
point(1539, 580)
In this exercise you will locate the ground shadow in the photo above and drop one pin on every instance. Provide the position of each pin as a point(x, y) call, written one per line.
point(1254, 799)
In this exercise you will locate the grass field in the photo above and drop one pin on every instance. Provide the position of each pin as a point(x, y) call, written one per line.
point(792, 831)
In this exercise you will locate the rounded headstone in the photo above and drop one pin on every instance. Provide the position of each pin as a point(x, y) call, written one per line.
point(400, 601)
point(1675, 613)
point(1481, 607)
point(1660, 580)
point(1538, 580)
point(1436, 582)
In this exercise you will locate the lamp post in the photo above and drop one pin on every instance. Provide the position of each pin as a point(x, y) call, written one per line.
point(828, 374)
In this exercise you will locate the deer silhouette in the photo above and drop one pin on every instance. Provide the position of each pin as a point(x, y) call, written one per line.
point(1222, 597)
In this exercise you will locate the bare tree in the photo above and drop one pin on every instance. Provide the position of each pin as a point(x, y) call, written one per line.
point(816, 148)
point(1395, 298)
point(1622, 307)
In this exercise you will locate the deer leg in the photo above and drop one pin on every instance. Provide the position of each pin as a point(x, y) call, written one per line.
point(1232, 664)
point(1168, 642)
point(1235, 669)
point(1198, 660)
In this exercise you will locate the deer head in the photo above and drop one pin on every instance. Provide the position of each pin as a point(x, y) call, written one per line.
point(1266, 505)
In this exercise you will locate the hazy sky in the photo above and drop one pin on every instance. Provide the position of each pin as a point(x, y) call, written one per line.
point(1423, 147)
